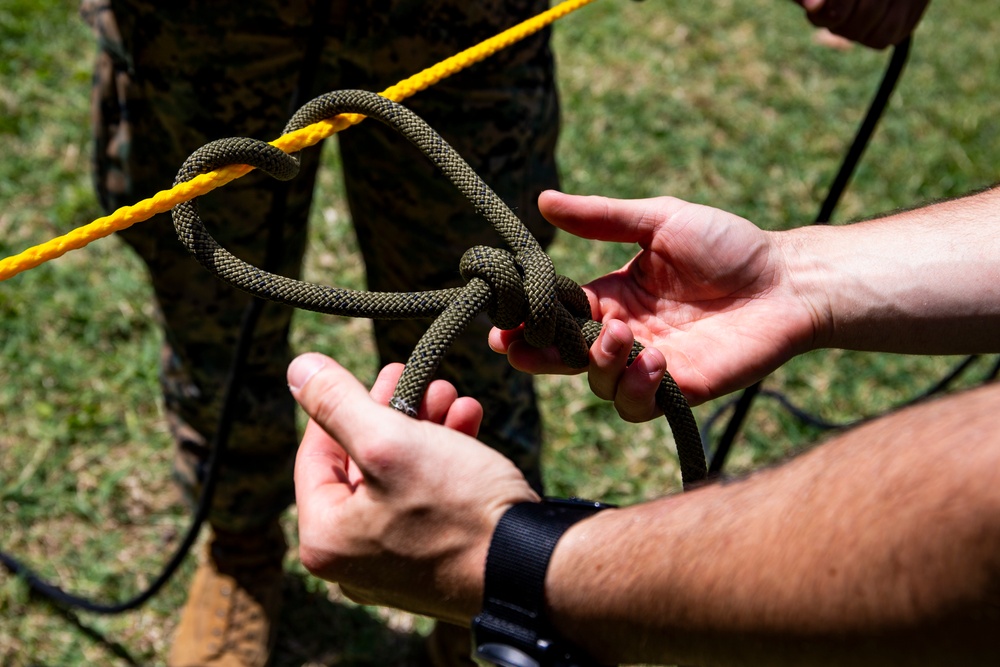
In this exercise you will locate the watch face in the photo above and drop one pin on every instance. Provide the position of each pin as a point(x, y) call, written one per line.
point(501, 655)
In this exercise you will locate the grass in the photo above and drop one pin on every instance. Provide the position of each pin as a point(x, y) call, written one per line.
point(726, 103)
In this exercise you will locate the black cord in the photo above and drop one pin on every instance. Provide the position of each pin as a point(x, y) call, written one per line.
point(861, 139)
point(241, 352)
point(743, 403)
point(811, 419)
point(864, 134)
point(994, 372)
point(219, 443)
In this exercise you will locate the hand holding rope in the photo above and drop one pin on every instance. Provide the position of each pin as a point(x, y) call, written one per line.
point(512, 286)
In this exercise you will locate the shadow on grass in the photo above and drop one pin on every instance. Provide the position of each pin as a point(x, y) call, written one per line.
point(318, 632)
point(112, 647)
point(313, 631)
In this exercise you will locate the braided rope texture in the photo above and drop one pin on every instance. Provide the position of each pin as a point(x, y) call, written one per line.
point(303, 137)
point(511, 286)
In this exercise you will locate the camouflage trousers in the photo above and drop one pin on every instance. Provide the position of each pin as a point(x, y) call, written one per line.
point(172, 75)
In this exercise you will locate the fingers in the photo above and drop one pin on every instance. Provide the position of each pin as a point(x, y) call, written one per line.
point(829, 13)
point(606, 219)
point(525, 357)
point(357, 595)
point(899, 21)
point(322, 387)
point(437, 400)
point(857, 20)
point(633, 387)
point(500, 339)
point(874, 23)
point(441, 403)
point(608, 356)
point(338, 403)
point(635, 400)
point(385, 383)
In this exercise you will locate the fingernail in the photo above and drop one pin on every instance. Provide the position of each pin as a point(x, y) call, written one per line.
point(494, 341)
point(303, 367)
point(650, 367)
point(610, 345)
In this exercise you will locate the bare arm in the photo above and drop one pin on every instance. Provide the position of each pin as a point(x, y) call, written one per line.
point(880, 547)
point(925, 281)
point(724, 303)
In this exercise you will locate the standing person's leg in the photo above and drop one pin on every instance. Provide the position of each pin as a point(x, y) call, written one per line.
point(413, 225)
point(175, 76)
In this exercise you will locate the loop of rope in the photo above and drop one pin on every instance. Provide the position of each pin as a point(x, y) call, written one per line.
point(511, 287)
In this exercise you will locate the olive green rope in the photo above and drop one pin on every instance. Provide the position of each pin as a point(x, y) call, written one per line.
point(512, 286)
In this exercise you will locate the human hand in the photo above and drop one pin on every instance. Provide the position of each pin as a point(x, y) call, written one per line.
point(708, 294)
point(398, 511)
point(874, 23)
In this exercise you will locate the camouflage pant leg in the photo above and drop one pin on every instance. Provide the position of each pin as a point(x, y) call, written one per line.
point(170, 84)
point(165, 87)
point(413, 225)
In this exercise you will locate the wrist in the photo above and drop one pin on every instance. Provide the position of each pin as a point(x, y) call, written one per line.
point(514, 628)
point(897, 284)
point(468, 572)
point(806, 277)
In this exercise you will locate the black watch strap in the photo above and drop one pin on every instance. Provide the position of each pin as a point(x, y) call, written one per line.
point(512, 629)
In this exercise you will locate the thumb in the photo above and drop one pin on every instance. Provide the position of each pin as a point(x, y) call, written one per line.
point(336, 401)
point(606, 219)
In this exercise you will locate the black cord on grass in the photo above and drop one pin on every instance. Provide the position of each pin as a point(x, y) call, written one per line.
point(61, 597)
point(227, 413)
point(893, 71)
point(816, 421)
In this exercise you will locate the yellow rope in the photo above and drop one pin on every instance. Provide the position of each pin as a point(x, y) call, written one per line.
point(292, 142)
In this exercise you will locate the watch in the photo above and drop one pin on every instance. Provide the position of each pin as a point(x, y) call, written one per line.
point(512, 629)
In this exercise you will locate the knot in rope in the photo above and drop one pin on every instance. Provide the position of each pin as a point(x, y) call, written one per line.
point(512, 287)
point(498, 269)
point(525, 289)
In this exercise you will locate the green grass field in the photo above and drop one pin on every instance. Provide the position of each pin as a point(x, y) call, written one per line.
point(726, 103)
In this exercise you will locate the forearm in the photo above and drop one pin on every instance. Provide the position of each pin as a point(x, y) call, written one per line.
point(881, 547)
point(925, 281)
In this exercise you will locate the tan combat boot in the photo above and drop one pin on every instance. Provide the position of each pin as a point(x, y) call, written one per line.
point(231, 614)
